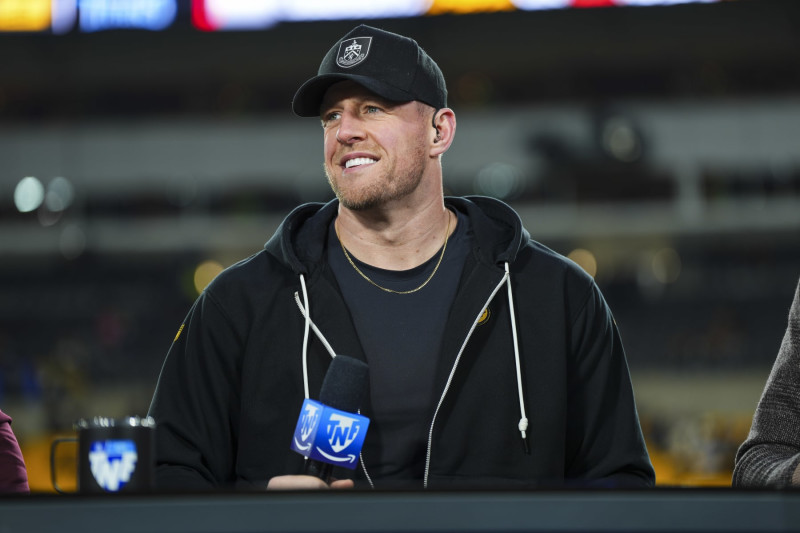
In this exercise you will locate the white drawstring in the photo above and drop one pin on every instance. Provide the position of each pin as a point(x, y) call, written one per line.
point(314, 327)
point(307, 315)
point(523, 421)
point(304, 309)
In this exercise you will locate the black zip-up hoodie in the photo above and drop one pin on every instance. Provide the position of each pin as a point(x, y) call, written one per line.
point(547, 354)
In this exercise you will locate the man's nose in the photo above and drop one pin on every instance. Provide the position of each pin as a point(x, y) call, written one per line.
point(350, 130)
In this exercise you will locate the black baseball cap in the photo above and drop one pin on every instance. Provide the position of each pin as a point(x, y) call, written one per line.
point(388, 64)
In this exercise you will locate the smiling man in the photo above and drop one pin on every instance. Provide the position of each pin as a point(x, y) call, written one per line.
point(493, 361)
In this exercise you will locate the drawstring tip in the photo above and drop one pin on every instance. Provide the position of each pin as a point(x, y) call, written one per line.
point(523, 426)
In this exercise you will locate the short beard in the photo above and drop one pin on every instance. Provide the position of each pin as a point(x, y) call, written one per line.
point(354, 204)
point(382, 192)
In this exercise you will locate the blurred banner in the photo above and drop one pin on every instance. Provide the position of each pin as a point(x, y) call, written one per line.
point(61, 16)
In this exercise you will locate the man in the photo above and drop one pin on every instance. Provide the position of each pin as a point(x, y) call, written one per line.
point(493, 361)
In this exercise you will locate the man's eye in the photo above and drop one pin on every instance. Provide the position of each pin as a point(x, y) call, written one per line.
point(334, 115)
point(373, 109)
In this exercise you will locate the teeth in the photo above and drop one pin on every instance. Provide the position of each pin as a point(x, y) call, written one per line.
point(358, 161)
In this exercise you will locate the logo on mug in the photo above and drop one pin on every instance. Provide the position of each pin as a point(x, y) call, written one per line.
point(113, 462)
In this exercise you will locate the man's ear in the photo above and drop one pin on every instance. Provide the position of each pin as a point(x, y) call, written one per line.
point(444, 124)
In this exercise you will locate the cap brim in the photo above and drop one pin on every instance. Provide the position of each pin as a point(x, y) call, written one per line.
point(308, 98)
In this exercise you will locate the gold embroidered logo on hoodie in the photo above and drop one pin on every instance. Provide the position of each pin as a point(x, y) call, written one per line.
point(484, 317)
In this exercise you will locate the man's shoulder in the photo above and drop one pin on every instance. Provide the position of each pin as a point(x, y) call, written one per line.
point(251, 271)
point(502, 230)
point(537, 256)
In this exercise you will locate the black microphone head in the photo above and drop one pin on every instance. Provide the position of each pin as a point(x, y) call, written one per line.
point(345, 384)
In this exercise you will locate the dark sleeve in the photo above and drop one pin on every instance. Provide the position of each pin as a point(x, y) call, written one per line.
point(196, 402)
point(605, 442)
point(13, 476)
point(771, 453)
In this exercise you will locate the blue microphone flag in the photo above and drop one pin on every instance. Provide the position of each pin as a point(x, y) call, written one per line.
point(329, 435)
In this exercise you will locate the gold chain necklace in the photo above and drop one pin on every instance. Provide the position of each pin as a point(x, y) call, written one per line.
point(435, 269)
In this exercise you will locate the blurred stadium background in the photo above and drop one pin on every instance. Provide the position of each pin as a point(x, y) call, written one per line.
point(658, 146)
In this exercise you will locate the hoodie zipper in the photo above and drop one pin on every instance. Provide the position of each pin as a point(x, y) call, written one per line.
point(452, 373)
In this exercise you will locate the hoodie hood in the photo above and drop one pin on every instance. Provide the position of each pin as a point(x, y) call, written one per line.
point(299, 242)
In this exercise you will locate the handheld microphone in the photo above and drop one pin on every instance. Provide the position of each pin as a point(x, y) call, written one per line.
point(330, 432)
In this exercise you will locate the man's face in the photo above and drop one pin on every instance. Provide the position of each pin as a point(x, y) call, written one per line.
point(376, 151)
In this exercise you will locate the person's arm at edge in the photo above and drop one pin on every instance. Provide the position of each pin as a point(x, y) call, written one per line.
point(770, 456)
point(12, 465)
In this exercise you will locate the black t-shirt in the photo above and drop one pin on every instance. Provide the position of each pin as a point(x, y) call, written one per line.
point(401, 335)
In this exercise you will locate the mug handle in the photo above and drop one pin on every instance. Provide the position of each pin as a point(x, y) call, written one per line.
point(53, 448)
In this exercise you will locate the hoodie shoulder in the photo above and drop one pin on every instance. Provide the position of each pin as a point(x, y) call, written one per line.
point(248, 272)
point(560, 262)
point(558, 275)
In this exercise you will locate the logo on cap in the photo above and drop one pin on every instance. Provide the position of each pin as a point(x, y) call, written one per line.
point(353, 51)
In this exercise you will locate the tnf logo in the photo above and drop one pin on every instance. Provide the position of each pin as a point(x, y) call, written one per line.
point(309, 420)
point(341, 431)
point(330, 435)
point(112, 463)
